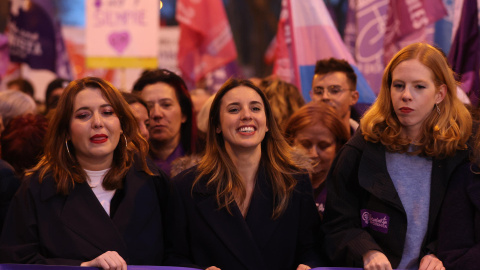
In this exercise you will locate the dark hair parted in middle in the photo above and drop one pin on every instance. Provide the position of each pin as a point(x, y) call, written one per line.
point(63, 166)
point(188, 130)
point(222, 173)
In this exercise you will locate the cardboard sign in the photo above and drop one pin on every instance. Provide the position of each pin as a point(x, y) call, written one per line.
point(122, 33)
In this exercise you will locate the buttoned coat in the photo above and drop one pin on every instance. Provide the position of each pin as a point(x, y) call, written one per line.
point(202, 235)
point(44, 227)
point(359, 183)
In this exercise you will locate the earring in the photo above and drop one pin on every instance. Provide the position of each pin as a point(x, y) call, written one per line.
point(438, 108)
point(126, 142)
point(68, 150)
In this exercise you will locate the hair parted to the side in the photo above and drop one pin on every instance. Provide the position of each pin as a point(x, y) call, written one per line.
point(64, 167)
point(223, 175)
point(442, 134)
point(317, 114)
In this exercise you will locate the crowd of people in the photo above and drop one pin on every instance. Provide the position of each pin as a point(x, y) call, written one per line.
point(248, 178)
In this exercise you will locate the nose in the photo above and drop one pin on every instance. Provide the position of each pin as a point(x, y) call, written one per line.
point(407, 95)
point(312, 151)
point(325, 96)
point(246, 114)
point(156, 112)
point(97, 121)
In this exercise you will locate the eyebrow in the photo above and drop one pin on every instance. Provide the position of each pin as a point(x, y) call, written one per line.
point(88, 108)
point(251, 102)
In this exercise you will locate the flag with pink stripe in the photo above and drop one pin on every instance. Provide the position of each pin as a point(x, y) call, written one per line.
point(314, 37)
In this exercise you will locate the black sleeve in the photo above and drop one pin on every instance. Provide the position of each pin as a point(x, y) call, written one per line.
point(458, 245)
point(19, 242)
point(345, 240)
point(9, 184)
point(310, 236)
point(176, 238)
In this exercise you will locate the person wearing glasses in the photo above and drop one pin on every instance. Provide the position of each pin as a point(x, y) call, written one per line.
point(335, 83)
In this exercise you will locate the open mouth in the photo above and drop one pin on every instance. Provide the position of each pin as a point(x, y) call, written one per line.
point(99, 138)
point(247, 130)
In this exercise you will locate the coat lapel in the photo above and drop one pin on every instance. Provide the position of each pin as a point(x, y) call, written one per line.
point(83, 214)
point(441, 173)
point(373, 176)
point(259, 216)
point(230, 228)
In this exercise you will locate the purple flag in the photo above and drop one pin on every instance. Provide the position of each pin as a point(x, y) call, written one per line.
point(34, 37)
point(464, 53)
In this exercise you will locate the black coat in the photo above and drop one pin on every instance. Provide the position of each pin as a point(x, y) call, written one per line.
point(44, 227)
point(359, 182)
point(200, 234)
point(459, 234)
point(9, 184)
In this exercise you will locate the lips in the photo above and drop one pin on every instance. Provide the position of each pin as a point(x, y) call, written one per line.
point(247, 130)
point(406, 110)
point(99, 138)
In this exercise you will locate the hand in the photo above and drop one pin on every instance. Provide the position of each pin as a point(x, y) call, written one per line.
point(108, 260)
point(303, 267)
point(213, 268)
point(376, 260)
point(431, 262)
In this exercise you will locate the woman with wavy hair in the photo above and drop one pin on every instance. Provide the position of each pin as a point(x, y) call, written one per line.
point(92, 200)
point(388, 182)
point(246, 205)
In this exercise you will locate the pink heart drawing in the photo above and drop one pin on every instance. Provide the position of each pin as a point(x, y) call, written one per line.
point(119, 40)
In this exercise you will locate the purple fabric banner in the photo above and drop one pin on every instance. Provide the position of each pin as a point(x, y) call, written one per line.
point(464, 53)
point(62, 267)
point(34, 37)
point(130, 267)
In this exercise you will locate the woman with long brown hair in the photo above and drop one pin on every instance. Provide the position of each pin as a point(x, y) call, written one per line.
point(92, 200)
point(246, 205)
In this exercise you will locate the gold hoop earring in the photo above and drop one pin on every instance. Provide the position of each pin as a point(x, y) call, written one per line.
point(68, 150)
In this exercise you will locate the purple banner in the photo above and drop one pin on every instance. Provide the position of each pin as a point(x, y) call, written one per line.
point(374, 220)
point(34, 37)
point(62, 267)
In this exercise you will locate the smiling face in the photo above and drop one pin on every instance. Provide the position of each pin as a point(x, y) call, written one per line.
point(243, 122)
point(414, 95)
point(166, 116)
point(319, 144)
point(94, 129)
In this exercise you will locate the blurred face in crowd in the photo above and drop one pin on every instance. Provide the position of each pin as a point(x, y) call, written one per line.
point(94, 129)
point(414, 95)
point(319, 144)
point(141, 114)
point(243, 121)
point(166, 116)
point(333, 88)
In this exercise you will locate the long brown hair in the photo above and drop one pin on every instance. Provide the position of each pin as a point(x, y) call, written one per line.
point(63, 165)
point(442, 134)
point(221, 171)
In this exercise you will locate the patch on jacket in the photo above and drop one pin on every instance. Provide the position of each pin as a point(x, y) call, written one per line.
point(374, 220)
